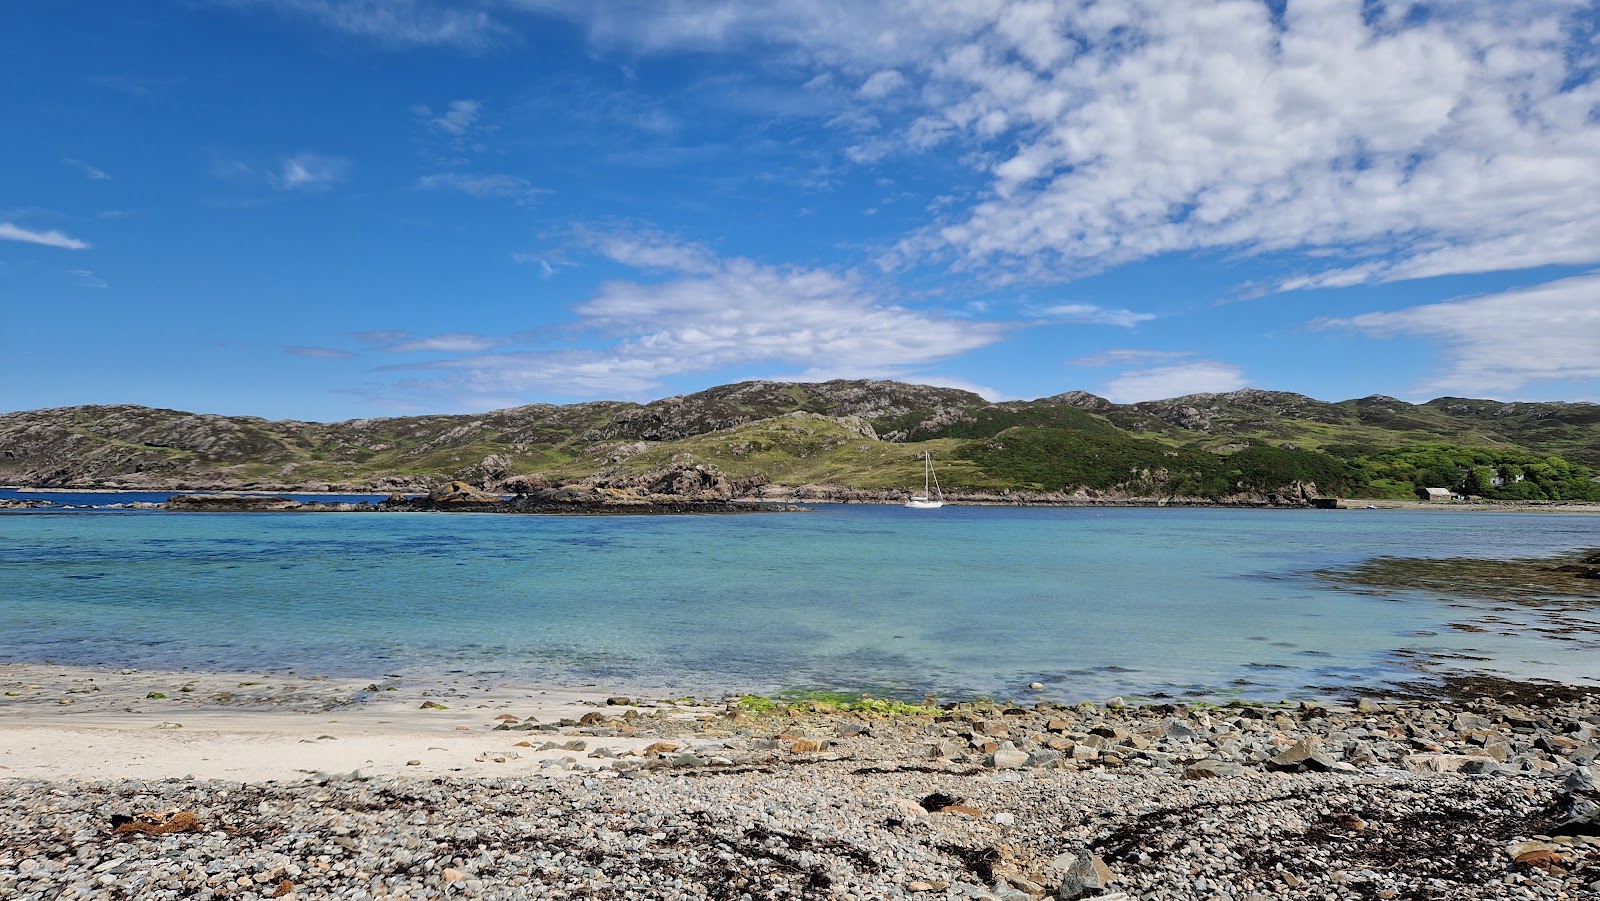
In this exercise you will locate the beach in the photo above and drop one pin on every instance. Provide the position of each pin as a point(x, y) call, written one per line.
point(296, 786)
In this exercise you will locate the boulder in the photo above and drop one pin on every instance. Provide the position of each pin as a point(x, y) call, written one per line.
point(1083, 874)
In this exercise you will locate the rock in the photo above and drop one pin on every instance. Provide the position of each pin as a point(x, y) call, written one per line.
point(1044, 757)
point(449, 874)
point(593, 718)
point(1303, 754)
point(1007, 757)
point(1437, 764)
point(619, 702)
point(807, 745)
point(1212, 768)
point(1036, 686)
point(1084, 874)
point(413, 762)
point(433, 705)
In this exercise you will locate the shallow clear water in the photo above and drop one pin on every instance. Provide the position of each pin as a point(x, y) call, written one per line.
point(958, 601)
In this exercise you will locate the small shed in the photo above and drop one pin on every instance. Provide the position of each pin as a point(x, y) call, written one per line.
point(1436, 494)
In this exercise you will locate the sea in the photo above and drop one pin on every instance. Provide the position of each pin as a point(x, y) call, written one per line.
point(961, 602)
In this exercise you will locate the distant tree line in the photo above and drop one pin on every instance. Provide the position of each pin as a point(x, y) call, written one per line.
point(1049, 459)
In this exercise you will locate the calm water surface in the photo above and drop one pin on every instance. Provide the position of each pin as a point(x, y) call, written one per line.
point(958, 601)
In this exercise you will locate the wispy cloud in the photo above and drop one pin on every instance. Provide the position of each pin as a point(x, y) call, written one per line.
point(1091, 314)
point(52, 238)
point(453, 342)
point(1127, 356)
point(1501, 343)
point(545, 269)
point(1160, 382)
point(87, 279)
point(710, 313)
point(320, 353)
point(456, 118)
point(91, 172)
point(310, 172)
point(489, 185)
point(397, 23)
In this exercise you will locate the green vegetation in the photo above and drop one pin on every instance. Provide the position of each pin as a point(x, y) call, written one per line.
point(856, 434)
point(829, 702)
point(1058, 460)
point(1494, 473)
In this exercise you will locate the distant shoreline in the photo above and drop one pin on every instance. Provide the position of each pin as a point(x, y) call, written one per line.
point(872, 497)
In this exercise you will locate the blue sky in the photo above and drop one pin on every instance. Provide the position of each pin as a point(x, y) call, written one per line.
point(326, 209)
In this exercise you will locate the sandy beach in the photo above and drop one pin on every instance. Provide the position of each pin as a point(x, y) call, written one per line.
point(252, 786)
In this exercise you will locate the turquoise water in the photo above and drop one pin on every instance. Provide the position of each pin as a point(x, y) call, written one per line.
point(960, 601)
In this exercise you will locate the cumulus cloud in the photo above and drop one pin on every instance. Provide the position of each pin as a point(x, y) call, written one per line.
point(52, 238)
point(310, 172)
point(1375, 142)
point(1157, 383)
point(1500, 343)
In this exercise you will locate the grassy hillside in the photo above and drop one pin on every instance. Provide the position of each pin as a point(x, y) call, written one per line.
point(859, 434)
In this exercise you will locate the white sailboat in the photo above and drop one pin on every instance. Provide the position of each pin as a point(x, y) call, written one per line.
point(926, 501)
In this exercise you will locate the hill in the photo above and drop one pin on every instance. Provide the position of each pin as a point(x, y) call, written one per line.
point(865, 435)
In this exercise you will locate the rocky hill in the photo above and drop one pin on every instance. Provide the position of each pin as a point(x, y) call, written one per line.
point(865, 436)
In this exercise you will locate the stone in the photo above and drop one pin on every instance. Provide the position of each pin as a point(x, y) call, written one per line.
point(1044, 757)
point(807, 745)
point(619, 701)
point(1438, 764)
point(1212, 768)
point(450, 874)
point(413, 762)
point(593, 718)
point(1084, 874)
point(1303, 754)
point(1007, 757)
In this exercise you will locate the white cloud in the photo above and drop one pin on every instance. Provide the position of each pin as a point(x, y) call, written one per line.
point(87, 279)
point(1160, 382)
point(1091, 314)
point(91, 172)
point(52, 238)
point(398, 23)
point(1500, 343)
point(1125, 356)
point(459, 117)
point(1386, 145)
point(493, 185)
point(881, 84)
point(711, 313)
point(310, 172)
point(453, 342)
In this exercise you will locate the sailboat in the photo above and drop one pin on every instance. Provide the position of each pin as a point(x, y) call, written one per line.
point(925, 501)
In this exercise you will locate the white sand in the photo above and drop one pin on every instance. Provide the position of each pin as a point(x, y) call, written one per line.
point(280, 727)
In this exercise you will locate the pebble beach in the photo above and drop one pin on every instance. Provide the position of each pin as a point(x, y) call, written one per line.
point(273, 786)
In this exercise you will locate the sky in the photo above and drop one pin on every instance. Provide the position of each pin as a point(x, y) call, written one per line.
point(333, 209)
